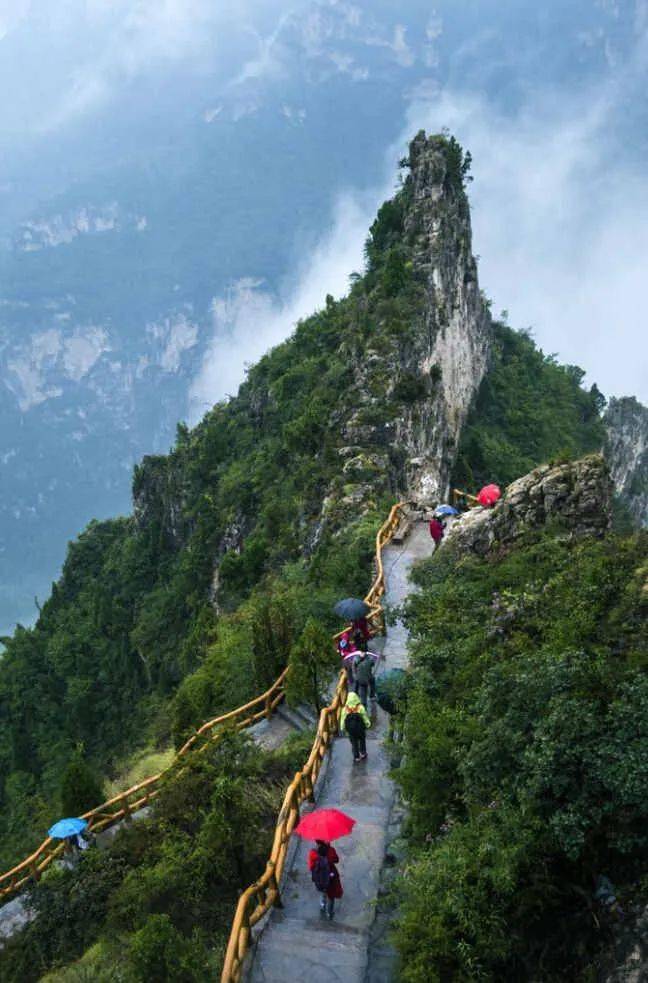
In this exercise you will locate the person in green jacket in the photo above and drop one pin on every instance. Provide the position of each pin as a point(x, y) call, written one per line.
point(354, 721)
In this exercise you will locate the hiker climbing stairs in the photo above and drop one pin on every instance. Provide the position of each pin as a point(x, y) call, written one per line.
point(269, 722)
point(296, 943)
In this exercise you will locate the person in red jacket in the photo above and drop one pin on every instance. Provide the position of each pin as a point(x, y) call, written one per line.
point(436, 531)
point(321, 863)
point(361, 626)
point(348, 651)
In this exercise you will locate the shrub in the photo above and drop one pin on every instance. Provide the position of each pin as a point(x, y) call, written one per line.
point(526, 744)
point(160, 952)
point(313, 660)
point(81, 788)
point(409, 388)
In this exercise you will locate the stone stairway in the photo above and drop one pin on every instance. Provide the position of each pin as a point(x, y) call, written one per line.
point(296, 943)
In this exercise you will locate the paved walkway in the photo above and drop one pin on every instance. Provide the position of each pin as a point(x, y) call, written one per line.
point(297, 944)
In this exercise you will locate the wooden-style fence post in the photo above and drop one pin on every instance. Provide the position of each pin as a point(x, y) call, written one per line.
point(309, 792)
point(274, 886)
point(243, 940)
point(128, 817)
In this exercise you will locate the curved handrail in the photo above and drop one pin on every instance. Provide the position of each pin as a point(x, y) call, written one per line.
point(124, 804)
point(257, 899)
point(459, 496)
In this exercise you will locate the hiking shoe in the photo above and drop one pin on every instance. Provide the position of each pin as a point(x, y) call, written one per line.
point(362, 756)
point(355, 760)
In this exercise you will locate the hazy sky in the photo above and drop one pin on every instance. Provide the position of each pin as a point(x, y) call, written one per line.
point(550, 99)
point(559, 199)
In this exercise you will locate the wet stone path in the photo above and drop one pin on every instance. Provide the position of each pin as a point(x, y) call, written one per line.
point(297, 944)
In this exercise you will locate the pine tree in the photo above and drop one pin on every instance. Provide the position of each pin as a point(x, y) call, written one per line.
point(81, 788)
point(312, 660)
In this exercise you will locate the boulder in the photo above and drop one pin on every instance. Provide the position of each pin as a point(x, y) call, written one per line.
point(578, 494)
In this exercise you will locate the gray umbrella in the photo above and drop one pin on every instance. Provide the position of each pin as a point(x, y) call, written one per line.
point(352, 608)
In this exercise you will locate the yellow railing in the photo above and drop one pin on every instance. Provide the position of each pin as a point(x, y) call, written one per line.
point(458, 496)
point(122, 806)
point(265, 893)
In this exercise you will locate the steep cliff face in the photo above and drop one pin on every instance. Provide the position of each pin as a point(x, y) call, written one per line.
point(626, 449)
point(426, 370)
point(405, 354)
point(577, 494)
point(456, 332)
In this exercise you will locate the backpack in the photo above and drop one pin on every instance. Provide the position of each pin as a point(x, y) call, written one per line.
point(354, 724)
point(364, 669)
point(322, 873)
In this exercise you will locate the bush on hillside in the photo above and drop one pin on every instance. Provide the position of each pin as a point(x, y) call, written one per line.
point(160, 898)
point(529, 409)
point(81, 788)
point(313, 662)
point(526, 764)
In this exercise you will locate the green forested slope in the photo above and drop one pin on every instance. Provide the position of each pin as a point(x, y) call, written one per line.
point(526, 759)
point(528, 410)
point(157, 904)
point(258, 492)
point(132, 615)
point(133, 612)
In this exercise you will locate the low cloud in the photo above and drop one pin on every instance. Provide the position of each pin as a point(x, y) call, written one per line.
point(560, 224)
point(65, 61)
point(248, 320)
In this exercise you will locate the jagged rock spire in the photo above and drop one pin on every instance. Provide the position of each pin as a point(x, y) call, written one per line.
point(452, 342)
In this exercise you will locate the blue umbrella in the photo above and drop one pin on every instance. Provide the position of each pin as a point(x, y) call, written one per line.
point(66, 827)
point(445, 510)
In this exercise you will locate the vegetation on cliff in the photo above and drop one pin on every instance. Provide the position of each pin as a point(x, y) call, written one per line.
point(157, 904)
point(526, 755)
point(529, 409)
point(195, 602)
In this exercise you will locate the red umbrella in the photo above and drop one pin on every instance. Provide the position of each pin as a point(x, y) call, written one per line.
point(325, 824)
point(489, 495)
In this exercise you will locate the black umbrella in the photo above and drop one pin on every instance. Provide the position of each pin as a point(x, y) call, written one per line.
point(391, 690)
point(351, 608)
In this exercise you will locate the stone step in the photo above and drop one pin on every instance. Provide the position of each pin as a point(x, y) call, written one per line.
point(307, 714)
point(294, 719)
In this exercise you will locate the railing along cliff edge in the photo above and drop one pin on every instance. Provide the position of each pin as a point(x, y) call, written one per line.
point(123, 805)
point(264, 894)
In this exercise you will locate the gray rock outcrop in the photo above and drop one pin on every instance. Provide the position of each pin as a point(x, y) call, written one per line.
point(452, 344)
point(578, 494)
point(397, 423)
point(626, 449)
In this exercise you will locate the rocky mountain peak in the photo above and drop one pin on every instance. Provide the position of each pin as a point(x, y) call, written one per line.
point(450, 345)
point(626, 424)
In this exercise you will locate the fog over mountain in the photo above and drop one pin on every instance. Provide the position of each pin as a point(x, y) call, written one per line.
point(179, 182)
